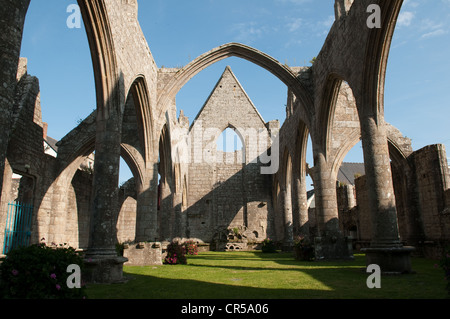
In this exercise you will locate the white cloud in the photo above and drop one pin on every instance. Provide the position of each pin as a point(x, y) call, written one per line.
point(432, 29)
point(434, 33)
point(405, 18)
point(294, 25)
point(248, 32)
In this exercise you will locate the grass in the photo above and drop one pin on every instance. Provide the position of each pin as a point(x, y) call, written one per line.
point(254, 275)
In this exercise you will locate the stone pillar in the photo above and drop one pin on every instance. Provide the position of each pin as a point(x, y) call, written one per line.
point(102, 262)
point(330, 243)
point(12, 19)
point(300, 215)
point(288, 242)
point(386, 249)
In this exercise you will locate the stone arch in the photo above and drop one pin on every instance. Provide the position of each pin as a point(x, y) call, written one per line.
point(327, 110)
point(137, 138)
point(376, 59)
point(237, 50)
point(98, 30)
point(399, 148)
point(166, 189)
point(139, 92)
point(56, 194)
point(165, 154)
point(301, 143)
point(73, 149)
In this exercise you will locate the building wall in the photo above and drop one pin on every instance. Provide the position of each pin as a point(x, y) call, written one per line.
point(126, 223)
point(432, 176)
point(224, 190)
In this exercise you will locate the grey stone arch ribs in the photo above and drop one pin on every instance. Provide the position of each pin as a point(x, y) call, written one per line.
point(327, 110)
point(69, 163)
point(95, 18)
point(141, 153)
point(377, 53)
point(139, 92)
point(241, 51)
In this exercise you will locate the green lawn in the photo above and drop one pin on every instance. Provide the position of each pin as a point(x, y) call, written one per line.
point(254, 275)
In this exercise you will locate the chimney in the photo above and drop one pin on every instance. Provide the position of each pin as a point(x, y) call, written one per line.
point(44, 129)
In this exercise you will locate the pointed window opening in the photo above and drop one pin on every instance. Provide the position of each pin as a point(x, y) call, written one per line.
point(229, 141)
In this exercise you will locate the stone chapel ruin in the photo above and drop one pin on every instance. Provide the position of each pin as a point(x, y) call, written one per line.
point(184, 186)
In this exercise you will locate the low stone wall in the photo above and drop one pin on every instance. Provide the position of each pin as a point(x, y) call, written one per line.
point(143, 254)
point(236, 246)
point(203, 247)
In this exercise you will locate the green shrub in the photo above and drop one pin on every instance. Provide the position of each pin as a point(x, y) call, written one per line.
point(176, 254)
point(303, 249)
point(39, 272)
point(268, 246)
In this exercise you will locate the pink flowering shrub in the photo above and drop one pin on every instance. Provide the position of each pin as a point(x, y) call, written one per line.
point(39, 272)
point(191, 247)
point(176, 254)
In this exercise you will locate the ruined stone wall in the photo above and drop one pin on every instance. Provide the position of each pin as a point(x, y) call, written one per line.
point(432, 181)
point(25, 152)
point(126, 223)
point(60, 201)
point(345, 127)
point(346, 201)
point(225, 191)
point(421, 201)
point(77, 218)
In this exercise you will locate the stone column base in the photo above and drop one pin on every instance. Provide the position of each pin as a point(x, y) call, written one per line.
point(332, 248)
point(104, 269)
point(394, 260)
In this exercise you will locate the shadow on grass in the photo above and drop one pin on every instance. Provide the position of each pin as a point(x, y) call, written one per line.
point(223, 276)
point(151, 287)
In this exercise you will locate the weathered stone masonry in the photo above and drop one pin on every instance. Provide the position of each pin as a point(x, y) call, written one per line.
point(402, 200)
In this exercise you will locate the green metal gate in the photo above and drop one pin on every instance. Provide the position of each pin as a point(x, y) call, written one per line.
point(18, 226)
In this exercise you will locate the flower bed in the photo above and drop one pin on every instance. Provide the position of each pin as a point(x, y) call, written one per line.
point(40, 272)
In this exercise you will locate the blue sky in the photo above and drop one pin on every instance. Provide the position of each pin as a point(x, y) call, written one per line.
point(417, 95)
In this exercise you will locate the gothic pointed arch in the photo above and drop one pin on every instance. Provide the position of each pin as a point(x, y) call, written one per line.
point(377, 53)
point(285, 74)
